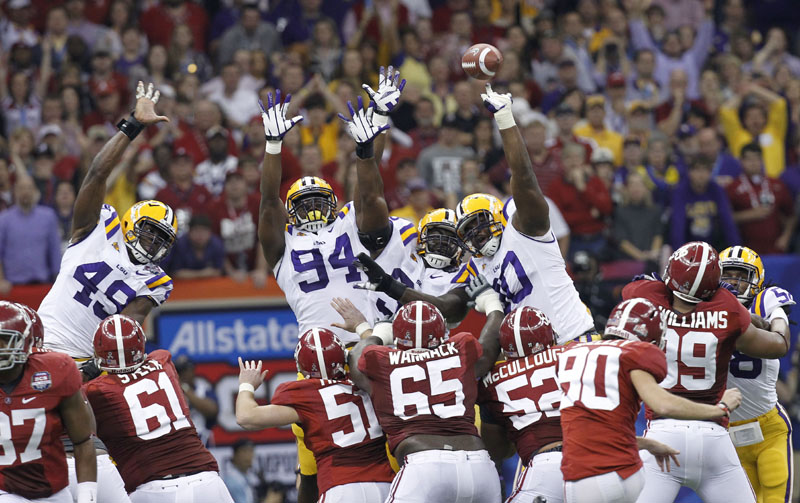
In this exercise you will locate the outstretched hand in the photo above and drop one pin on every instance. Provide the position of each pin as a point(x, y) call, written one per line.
point(387, 96)
point(360, 125)
point(350, 314)
point(495, 102)
point(146, 104)
point(250, 373)
point(276, 125)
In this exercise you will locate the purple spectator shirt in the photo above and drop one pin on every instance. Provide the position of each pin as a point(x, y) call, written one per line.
point(183, 256)
point(30, 245)
point(702, 217)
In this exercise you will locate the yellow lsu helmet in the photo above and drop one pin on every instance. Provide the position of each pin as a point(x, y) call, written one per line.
point(311, 204)
point(149, 229)
point(437, 242)
point(480, 223)
point(743, 258)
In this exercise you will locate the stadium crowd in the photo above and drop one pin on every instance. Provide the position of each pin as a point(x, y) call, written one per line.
point(650, 123)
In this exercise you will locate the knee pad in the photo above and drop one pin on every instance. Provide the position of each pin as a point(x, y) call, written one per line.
point(773, 467)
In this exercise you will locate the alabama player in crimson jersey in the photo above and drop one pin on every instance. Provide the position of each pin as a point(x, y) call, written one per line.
point(705, 323)
point(143, 419)
point(340, 425)
point(41, 399)
point(521, 396)
point(603, 384)
point(424, 394)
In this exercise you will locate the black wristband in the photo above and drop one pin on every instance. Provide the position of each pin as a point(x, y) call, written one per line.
point(130, 127)
point(391, 287)
point(365, 150)
point(377, 111)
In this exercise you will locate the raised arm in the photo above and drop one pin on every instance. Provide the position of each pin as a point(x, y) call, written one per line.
point(533, 215)
point(271, 213)
point(372, 213)
point(250, 415)
point(705, 36)
point(353, 320)
point(385, 99)
point(487, 301)
point(90, 197)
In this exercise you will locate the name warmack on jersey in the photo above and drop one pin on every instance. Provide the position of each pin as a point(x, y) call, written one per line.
point(403, 357)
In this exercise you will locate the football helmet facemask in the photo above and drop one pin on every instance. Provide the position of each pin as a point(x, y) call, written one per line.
point(741, 258)
point(437, 243)
point(480, 224)
point(311, 204)
point(149, 229)
point(16, 335)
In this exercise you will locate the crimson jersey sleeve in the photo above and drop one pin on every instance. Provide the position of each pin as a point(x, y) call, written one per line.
point(647, 357)
point(33, 461)
point(143, 419)
point(424, 391)
point(340, 428)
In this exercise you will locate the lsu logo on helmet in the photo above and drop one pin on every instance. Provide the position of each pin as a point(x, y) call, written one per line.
point(311, 204)
point(149, 229)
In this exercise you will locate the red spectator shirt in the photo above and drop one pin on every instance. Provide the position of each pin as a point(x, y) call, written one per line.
point(238, 229)
point(577, 206)
point(144, 420)
point(434, 390)
point(194, 201)
point(33, 464)
point(699, 344)
point(600, 404)
point(746, 193)
point(340, 428)
point(159, 25)
point(523, 396)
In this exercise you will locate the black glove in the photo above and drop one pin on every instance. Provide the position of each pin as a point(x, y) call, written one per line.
point(377, 279)
point(90, 370)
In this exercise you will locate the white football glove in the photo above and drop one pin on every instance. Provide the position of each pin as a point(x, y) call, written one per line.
point(361, 126)
point(388, 95)
point(500, 106)
point(149, 94)
point(485, 297)
point(276, 125)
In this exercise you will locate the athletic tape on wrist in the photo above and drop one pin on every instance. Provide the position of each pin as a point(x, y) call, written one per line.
point(245, 386)
point(504, 119)
point(274, 147)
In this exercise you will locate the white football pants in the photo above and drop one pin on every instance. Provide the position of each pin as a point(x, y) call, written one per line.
point(62, 496)
point(709, 464)
point(110, 487)
point(203, 487)
point(605, 488)
point(357, 492)
point(542, 477)
point(446, 477)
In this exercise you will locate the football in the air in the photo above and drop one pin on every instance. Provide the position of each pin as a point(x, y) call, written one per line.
point(482, 61)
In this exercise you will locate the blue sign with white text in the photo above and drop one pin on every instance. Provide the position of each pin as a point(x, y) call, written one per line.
point(223, 335)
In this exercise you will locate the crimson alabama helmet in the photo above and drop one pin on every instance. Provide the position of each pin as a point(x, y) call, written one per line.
point(526, 331)
point(119, 344)
point(16, 329)
point(637, 320)
point(320, 355)
point(37, 328)
point(419, 324)
point(693, 272)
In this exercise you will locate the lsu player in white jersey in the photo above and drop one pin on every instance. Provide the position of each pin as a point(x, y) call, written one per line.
point(520, 256)
point(760, 427)
point(313, 250)
point(110, 267)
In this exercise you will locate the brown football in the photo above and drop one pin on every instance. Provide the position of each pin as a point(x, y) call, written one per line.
point(482, 61)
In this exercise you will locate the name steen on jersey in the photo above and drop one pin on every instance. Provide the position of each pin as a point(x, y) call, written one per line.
point(142, 371)
point(408, 356)
point(520, 365)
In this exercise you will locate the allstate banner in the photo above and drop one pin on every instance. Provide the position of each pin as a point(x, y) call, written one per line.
point(223, 335)
point(214, 338)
